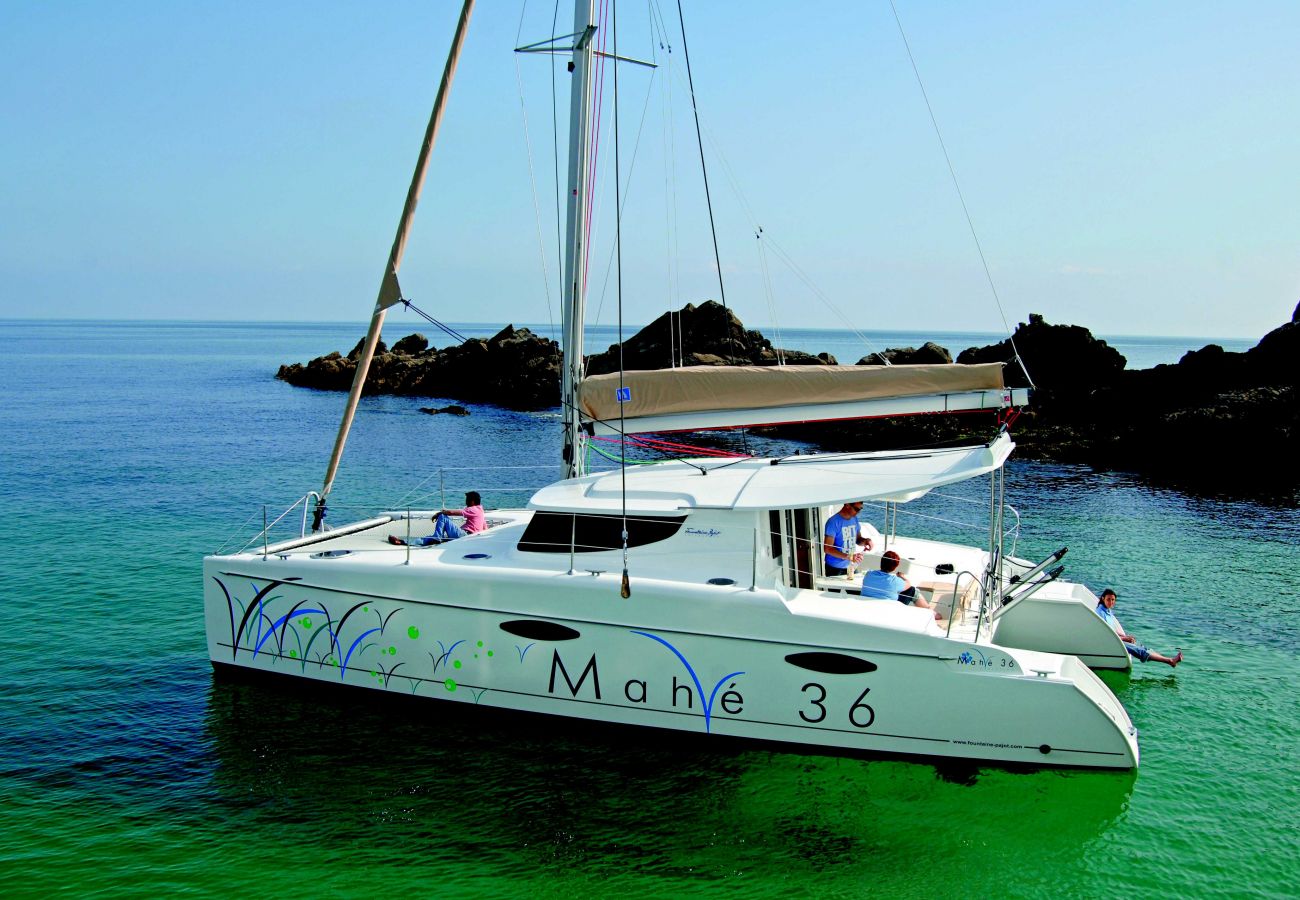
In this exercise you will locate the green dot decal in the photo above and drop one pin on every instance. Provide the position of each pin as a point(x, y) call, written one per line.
point(456, 664)
point(392, 651)
point(306, 623)
point(450, 684)
point(489, 653)
point(480, 643)
point(413, 632)
point(293, 654)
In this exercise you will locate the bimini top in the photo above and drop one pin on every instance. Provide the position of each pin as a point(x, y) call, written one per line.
point(789, 482)
point(697, 397)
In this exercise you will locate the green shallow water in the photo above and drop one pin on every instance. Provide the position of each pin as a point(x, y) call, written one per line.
point(126, 770)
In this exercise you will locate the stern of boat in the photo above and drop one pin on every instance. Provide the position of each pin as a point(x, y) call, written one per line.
point(1061, 618)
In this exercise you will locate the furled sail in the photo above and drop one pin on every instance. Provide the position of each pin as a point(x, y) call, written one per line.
point(700, 397)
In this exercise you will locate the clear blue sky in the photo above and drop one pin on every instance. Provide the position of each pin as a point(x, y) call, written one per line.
point(1130, 167)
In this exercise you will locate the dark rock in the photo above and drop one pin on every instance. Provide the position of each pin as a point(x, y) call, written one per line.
point(452, 410)
point(515, 369)
point(929, 353)
point(1214, 420)
point(411, 345)
point(1065, 361)
point(355, 353)
point(704, 335)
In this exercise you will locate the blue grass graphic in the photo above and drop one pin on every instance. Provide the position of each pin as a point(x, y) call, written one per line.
point(254, 604)
point(446, 652)
point(283, 620)
point(524, 652)
point(708, 707)
point(343, 669)
point(335, 644)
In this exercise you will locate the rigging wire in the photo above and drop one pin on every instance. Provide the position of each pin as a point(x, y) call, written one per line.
point(748, 211)
point(770, 297)
point(625, 589)
point(960, 196)
point(555, 154)
point(593, 139)
point(704, 171)
point(432, 321)
point(622, 205)
point(532, 175)
point(672, 233)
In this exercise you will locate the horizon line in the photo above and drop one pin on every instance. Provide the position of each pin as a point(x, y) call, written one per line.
point(636, 327)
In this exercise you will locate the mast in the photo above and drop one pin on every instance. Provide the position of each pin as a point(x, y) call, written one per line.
point(573, 313)
point(390, 292)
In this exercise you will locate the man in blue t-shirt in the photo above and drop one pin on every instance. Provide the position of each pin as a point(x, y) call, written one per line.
point(843, 538)
point(1104, 609)
point(884, 583)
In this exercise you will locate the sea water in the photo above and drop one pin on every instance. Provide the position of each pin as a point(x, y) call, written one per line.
point(131, 449)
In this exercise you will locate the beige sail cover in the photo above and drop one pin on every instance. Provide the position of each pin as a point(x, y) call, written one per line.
point(702, 388)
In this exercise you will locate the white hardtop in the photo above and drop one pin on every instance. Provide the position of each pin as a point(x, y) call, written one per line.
point(761, 484)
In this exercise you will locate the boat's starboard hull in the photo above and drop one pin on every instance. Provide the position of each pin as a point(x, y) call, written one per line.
point(562, 648)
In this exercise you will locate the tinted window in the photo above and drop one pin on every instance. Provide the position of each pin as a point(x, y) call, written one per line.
point(551, 532)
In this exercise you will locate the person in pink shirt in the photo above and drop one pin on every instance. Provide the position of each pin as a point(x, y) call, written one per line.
point(444, 529)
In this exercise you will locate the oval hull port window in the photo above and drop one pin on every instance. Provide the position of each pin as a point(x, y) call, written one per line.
point(831, 663)
point(330, 554)
point(535, 630)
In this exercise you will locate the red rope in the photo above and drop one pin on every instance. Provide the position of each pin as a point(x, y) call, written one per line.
point(670, 446)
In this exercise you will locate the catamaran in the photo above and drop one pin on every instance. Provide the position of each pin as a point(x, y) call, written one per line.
point(689, 595)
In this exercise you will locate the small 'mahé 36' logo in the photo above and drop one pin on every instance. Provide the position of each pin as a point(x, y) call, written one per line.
point(704, 532)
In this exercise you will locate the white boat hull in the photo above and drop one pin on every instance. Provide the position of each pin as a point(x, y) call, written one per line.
point(1060, 618)
point(717, 660)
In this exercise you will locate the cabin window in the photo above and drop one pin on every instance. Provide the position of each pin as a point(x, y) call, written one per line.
point(794, 544)
point(774, 532)
point(552, 532)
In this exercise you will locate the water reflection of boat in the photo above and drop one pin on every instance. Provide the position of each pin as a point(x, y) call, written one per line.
point(571, 794)
point(720, 622)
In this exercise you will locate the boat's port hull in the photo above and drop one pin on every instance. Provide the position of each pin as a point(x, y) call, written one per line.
point(734, 663)
point(1062, 620)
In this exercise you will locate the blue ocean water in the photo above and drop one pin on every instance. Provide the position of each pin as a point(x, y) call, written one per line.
point(131, 449)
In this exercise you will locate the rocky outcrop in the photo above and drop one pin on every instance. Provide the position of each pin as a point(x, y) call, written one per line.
point(514, 368)
point(1214, 419)
point(704, 335)
point(927, 354)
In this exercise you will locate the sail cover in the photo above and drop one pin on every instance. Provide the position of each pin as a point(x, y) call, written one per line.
point(696, 397)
